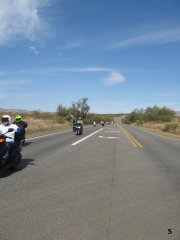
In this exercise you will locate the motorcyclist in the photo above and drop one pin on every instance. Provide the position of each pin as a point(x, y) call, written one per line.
point(80, 122)
point(23, 125)
point(6, 124)
point(102, 123)
point(94, 123)
point(74, 125)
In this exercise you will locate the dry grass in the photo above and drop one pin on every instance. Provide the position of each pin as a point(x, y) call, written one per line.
point(38, 125)
point(159, 127)
point(41, 122)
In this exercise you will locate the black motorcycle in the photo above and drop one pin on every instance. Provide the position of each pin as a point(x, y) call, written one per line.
point(14, 158)
point(102, 124)
point(79, 129)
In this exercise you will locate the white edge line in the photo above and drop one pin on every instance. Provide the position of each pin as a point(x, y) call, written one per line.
point(51, 134)
point(74, 144)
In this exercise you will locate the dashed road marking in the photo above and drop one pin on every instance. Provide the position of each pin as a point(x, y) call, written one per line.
point(83, 139)
point(108, 137)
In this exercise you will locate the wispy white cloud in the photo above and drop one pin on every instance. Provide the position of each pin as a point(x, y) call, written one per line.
point(90, 69)
point(114, 79)
point(21, 19)
point(76, 44)
point(150, 38)
point(4, 83)
point(49, 70)
point(36, 70)
point(33, 49)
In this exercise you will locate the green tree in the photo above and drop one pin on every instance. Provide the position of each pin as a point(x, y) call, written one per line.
point(62, 111)
point(83, 107)
point(74, 110)
point(80, 109)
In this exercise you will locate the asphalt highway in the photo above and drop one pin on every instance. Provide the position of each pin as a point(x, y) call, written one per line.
point(112, 183)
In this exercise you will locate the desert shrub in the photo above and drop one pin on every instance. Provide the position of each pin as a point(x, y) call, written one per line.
point(62, 111)
point(150, 114)
point(126, 120)
point(170, 127)
point(69, 117)
point(139, 122)
point(159, 114)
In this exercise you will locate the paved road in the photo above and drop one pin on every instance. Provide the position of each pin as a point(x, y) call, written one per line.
point(121, 183)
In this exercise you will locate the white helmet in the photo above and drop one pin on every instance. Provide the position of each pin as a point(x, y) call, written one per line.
point(4, 117)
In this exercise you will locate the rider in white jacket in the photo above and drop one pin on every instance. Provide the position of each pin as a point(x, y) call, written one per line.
point(6, 124)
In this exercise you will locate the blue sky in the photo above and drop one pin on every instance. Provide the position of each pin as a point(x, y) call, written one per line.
point(120, 54)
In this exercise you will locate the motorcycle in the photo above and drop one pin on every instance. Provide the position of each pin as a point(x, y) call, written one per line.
point(74, 127)
point(102, 124)
point(23, 141)
point(78, 129)
point(15, 156)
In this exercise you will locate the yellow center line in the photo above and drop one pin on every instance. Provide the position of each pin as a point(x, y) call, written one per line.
point(131, 137)
point(138, 143)
point(133, 143)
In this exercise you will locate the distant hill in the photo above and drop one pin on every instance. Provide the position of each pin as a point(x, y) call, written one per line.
point(13, 110)
point(25, 111)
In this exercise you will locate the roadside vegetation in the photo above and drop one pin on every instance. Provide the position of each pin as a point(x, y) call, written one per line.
point(156, 118)
point(40, 121)
point(81, 109)
point(61, 119)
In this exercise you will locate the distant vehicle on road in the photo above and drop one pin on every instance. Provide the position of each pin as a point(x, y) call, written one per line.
point(102, 123)
point(94, 123)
